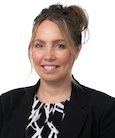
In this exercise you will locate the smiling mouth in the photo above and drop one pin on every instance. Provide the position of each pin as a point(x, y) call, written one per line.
point(50, 66)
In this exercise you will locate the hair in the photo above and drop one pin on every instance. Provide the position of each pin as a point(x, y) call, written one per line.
point(72, 22)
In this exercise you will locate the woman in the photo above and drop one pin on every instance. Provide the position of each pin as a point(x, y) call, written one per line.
point(57, 106)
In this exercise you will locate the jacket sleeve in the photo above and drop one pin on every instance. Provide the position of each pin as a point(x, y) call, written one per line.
point(5, 103)
point(1, 114)
point(107, 122)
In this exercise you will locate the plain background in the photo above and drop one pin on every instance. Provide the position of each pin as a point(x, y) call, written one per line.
point(95, 66)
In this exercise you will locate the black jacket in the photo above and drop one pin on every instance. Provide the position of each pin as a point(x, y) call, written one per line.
point(89, 114)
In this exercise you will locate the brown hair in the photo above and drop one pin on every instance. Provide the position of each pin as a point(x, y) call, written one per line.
point(72, 21)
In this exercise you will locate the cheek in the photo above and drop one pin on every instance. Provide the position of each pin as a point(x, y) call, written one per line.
point(66, 58)
point(36, 58)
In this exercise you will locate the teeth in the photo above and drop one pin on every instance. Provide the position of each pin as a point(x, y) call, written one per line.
point(50, 67)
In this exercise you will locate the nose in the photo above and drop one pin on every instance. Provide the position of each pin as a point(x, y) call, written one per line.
point(49, 54)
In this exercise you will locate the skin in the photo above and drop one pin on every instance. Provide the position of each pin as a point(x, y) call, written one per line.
point(53, 62)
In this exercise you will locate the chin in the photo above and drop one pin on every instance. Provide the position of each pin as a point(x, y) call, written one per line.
point(51, 78)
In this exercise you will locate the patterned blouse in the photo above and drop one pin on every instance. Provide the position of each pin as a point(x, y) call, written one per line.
point(45, 119)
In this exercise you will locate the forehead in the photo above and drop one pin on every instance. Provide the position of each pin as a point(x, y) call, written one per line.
point(48, 30)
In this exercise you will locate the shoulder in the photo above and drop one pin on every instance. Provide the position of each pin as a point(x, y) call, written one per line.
point(15, 97)
point(97, 96)
point(11, 95)
point(13, 92)
point(19, 92)
point(10, 99)
point(93, 96)
point(99, 102)
point(101, 107)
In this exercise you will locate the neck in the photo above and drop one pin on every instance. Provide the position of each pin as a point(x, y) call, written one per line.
point(54, 92)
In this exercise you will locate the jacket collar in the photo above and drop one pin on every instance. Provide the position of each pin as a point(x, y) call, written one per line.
point(30, 92)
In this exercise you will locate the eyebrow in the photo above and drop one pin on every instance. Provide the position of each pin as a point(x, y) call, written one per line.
point(54, 41)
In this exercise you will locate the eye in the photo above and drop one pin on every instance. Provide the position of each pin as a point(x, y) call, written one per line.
point(38, 45)
point(60, 46)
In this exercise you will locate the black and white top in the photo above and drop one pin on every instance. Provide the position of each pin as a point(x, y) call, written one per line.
point(45, 119)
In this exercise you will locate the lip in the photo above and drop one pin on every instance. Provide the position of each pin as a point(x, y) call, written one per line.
point(49, 65)
point(50, 68)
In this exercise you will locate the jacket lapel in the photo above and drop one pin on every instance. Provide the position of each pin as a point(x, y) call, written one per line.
point(76, 113)
point(22, 112)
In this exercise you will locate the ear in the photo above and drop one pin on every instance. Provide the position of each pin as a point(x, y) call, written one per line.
point(77, 50)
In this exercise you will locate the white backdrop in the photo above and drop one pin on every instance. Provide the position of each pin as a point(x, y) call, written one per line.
point(95, 66)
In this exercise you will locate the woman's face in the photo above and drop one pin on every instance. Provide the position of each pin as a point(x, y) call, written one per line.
point(51, 58)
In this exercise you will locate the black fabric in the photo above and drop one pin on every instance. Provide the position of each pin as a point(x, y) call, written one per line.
point(45, 119)
point(89, 113)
